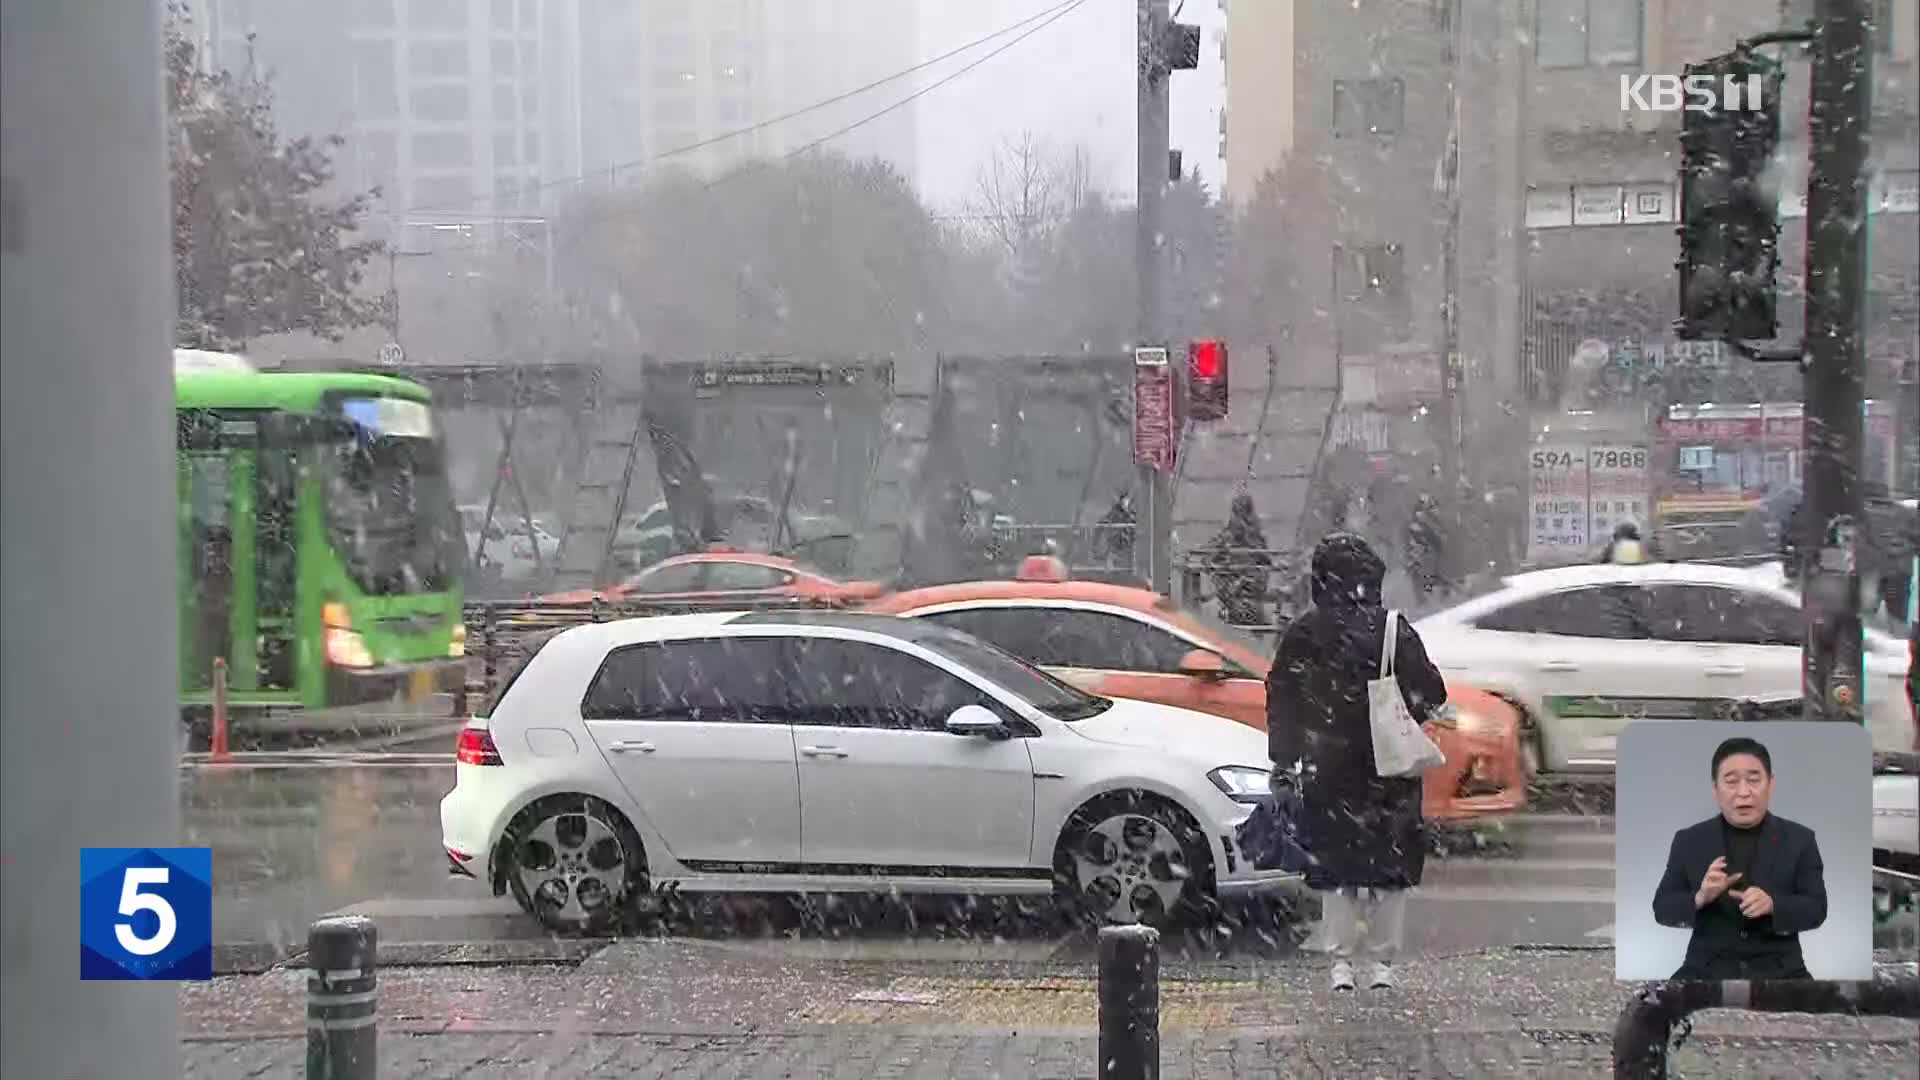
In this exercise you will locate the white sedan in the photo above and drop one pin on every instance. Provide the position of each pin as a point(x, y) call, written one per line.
point(797, 752)
point(1586, 650)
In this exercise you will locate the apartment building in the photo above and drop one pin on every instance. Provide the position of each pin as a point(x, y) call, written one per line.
point(1408, 136)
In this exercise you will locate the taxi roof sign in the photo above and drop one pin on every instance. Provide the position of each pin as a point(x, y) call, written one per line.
point(1041, 568)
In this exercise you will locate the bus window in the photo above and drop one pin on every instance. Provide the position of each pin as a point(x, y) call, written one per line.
point(209, 543)
point(276, 562)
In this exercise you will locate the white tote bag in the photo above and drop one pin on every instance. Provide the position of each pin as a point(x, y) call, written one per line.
point(1400, 748)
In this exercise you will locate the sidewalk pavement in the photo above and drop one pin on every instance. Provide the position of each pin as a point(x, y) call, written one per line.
point(718, 1010)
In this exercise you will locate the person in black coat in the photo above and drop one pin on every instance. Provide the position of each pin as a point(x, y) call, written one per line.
point(1364, 831)
point(1746, 881)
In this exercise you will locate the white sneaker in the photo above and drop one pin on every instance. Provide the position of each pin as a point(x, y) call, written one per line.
point(1343, 976)
point(1382, 977)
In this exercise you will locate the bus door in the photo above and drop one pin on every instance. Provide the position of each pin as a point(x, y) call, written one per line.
point(238, 549)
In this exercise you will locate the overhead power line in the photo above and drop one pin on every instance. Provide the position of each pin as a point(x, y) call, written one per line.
point(1048, 14)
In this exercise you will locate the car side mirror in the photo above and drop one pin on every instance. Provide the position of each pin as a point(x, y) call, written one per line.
point(1202, 664)
point(975, 720)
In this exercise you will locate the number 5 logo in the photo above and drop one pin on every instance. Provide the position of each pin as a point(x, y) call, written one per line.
point(146, 913)
point(133, 901)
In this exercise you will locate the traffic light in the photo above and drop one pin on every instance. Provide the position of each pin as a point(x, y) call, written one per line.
point(1729, 213)
point(1206, 380)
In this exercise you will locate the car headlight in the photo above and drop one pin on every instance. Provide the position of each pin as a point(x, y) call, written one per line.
point(1242, 783)
point(1477, 723)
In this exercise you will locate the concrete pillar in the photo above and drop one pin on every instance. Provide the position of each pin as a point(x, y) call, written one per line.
point(88, 720)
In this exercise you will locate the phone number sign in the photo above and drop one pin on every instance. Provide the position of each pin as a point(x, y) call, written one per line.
point(1580, 493)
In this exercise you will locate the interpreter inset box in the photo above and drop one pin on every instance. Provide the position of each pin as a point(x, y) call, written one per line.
point(1743, 851)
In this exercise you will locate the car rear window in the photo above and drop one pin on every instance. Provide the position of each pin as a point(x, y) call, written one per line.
point(527, 648)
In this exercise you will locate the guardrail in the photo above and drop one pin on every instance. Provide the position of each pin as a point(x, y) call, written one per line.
point(498, 633)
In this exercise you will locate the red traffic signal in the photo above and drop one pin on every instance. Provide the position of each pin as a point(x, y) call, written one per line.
point(1206, 380)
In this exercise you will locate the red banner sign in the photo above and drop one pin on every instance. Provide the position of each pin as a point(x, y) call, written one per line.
point(1154, 426)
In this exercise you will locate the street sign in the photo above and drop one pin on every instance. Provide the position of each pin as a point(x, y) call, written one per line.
point(1154, 426)
point(392, 354)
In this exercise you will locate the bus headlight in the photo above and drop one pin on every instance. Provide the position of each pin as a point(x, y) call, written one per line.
point(457, 648)
point(344, 645)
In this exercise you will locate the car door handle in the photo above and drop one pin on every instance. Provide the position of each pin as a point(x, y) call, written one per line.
point(1559, 665)
point(625, 746)
point(823, 751)
point(1726, 669)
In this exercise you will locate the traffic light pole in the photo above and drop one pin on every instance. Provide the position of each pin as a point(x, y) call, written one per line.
point(1835, 287)
point(1153, 549)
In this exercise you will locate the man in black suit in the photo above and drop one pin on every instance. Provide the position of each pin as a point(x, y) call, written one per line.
point(1747, 882)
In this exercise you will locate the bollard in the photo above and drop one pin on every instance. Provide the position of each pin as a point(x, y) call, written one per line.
point(1644, 1033)
point(342, 999)
point(219, 735)
point(1129, 1003)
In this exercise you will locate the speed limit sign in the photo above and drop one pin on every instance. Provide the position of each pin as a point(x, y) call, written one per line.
point(391, 353)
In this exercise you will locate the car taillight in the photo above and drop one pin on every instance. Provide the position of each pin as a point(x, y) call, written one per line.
point(476, 748)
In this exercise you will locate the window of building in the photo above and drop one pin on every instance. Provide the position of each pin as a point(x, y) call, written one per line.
point(504, 67)
point(673, 110)
point(731, 111)
point(1368, 106)
point(378, 155)
point(372, 14)
point(1572, 33)
point(506, 149)
point(439, 60)
point(502, 15)
point(452, 190)
point(376, 93)
point(437, 151)
point(448, 15)
point(440, 104)
point(1371, 273)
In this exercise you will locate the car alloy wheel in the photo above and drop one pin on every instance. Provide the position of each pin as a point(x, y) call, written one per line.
point(575, 864)
point(1132, 864)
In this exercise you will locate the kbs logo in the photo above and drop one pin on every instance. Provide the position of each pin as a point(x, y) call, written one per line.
point(146, 913)
point(1695, 93)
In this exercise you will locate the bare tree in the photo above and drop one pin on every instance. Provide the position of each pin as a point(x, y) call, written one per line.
point(1027, 189)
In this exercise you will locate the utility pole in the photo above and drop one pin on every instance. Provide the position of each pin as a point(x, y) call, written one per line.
point(1162, 47)
point(1450, 420)
point(1834, 360)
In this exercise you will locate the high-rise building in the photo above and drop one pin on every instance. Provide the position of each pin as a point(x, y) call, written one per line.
point(1478, 152)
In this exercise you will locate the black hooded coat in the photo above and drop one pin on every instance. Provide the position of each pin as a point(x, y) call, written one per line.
point(1362, 829)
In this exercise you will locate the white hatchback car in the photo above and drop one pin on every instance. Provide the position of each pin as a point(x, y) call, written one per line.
point(798, 752)
point(1586, 650)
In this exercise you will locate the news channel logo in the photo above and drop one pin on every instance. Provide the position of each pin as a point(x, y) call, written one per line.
point(146, 914)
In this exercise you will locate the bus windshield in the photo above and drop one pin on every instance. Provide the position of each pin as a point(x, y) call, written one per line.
point(389, 505)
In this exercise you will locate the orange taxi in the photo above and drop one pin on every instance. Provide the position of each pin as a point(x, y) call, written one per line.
point(1120, 641)
point(720, 576)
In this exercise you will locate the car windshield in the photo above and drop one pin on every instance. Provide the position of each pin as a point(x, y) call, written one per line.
point(1214, 629)
point(1050, 695)
point(390, 513)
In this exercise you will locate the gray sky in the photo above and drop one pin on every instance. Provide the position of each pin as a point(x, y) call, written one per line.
point(1073, 80)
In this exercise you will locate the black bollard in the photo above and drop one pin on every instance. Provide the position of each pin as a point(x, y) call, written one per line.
point(342, 999)
point(1129, 1003)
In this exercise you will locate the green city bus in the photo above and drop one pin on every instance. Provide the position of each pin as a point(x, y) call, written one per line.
point(320, 555)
